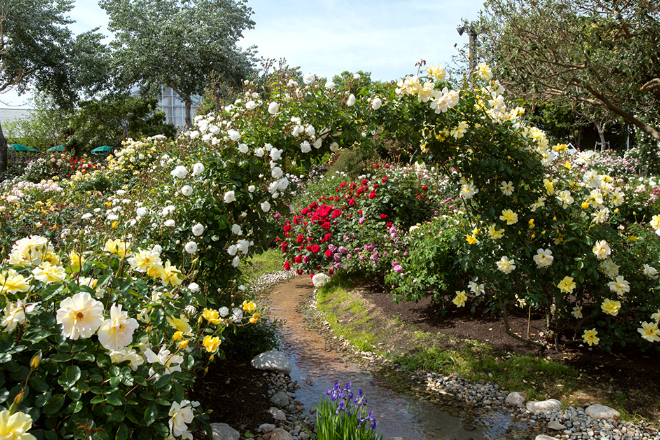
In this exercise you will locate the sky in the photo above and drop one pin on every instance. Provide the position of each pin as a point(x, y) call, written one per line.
point(327, 37)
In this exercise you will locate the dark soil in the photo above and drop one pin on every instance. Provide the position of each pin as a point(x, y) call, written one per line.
point(634, 376)
point(235, 393)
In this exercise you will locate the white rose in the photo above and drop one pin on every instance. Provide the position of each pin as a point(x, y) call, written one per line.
point(235, 262)
point(233, 135)
point(277, 173)
point(186, 190)
point(275, 154)
point(193, 287)
point(243, 148)
point(251, 105)
point(197, 169)
point(191, 247)
point(251, 188)
point(376, 103)
point(259, 152)
point(318, 143)
point(229, 197)
point(351, 100)
point(265, 206)
point(305, 147)
point(334, 147)
point(198, 229)
point(273, 108)
point(169, 223)
point(236, 229)
point(308, 78)
point(179, 172)
point(330, 85)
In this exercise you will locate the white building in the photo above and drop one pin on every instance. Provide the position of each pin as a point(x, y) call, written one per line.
point(10, 113)
point(174, 107)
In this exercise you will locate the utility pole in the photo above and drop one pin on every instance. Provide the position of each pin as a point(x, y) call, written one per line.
point(472, 54)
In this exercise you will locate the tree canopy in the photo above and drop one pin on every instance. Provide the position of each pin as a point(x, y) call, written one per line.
point(600, 52)
point(38, 49)
point(179, 44)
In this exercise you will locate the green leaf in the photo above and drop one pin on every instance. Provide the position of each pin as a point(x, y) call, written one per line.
point(97, 399)
point(72, 374)
point(75, 407)
point(39, 384)
point(150, 414)
point(54, 404)
point(4, 395)
point(84, 357)
point(122, 432)
point(4, 357)
point(115, 400)
point(178, 392)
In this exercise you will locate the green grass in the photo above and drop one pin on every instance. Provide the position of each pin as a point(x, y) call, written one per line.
point(539, 377)
point(261, 264)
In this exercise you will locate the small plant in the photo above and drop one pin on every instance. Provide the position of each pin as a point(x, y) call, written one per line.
point(344, 416)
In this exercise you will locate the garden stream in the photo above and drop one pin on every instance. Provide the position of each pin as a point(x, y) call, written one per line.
point(402, 407)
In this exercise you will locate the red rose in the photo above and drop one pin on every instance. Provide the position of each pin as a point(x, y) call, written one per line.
point(425, 187)
point(285, 247)
point(299, 272)
point(383, 216)
point(331, 271)
point(298, 259)
point(372, 195)
point(287, 265)
point(315, 248)
point(328, 253)
point(300, 238)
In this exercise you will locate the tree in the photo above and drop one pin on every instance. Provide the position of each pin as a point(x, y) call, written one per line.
point(179, 44)
point(38, 49)
point(113, 119)
point(42, 129)
point(599, 52)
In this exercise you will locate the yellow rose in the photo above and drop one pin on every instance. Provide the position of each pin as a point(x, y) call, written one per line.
point(211, 343)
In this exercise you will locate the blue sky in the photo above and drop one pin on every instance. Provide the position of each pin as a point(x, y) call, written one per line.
point(385, 37)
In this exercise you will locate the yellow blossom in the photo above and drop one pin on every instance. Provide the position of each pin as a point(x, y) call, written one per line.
point(611, 307)
point(184, 344)
point(248, 306)
point(649, 331)
point(180, 324)
point(460, 298)
point(178, 335)
point(471, 239)
point(566, 285)
point(509, 217)
point(211, 343)
point(590, 337)
point(211, 315)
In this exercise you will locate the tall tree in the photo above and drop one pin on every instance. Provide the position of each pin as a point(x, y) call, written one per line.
point(38, 50)
point(599, 52)
point(179, 43)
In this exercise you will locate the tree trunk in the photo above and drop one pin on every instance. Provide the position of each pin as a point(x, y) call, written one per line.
point(188, 102)
point(602, 100)
point(3, 151)
point(601, 134)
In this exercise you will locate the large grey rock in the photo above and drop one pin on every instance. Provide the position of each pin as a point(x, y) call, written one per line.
point(280, 399)
point(556, 426)
point(280, 434)
point(272, 360)
point(544, 406)
point(599, 411)
point(515, 399)
point(544, 437)
point(266, 427)
point(277, 413)
point(222, 431)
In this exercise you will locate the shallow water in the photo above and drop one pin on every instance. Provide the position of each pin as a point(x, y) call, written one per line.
point(402, 408)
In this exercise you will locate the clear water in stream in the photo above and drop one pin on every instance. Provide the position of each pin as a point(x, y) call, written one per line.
point(402, 408)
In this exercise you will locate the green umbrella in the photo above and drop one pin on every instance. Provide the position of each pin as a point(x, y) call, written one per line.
point(19, 147)
point(103, 149)
point(58, 148)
